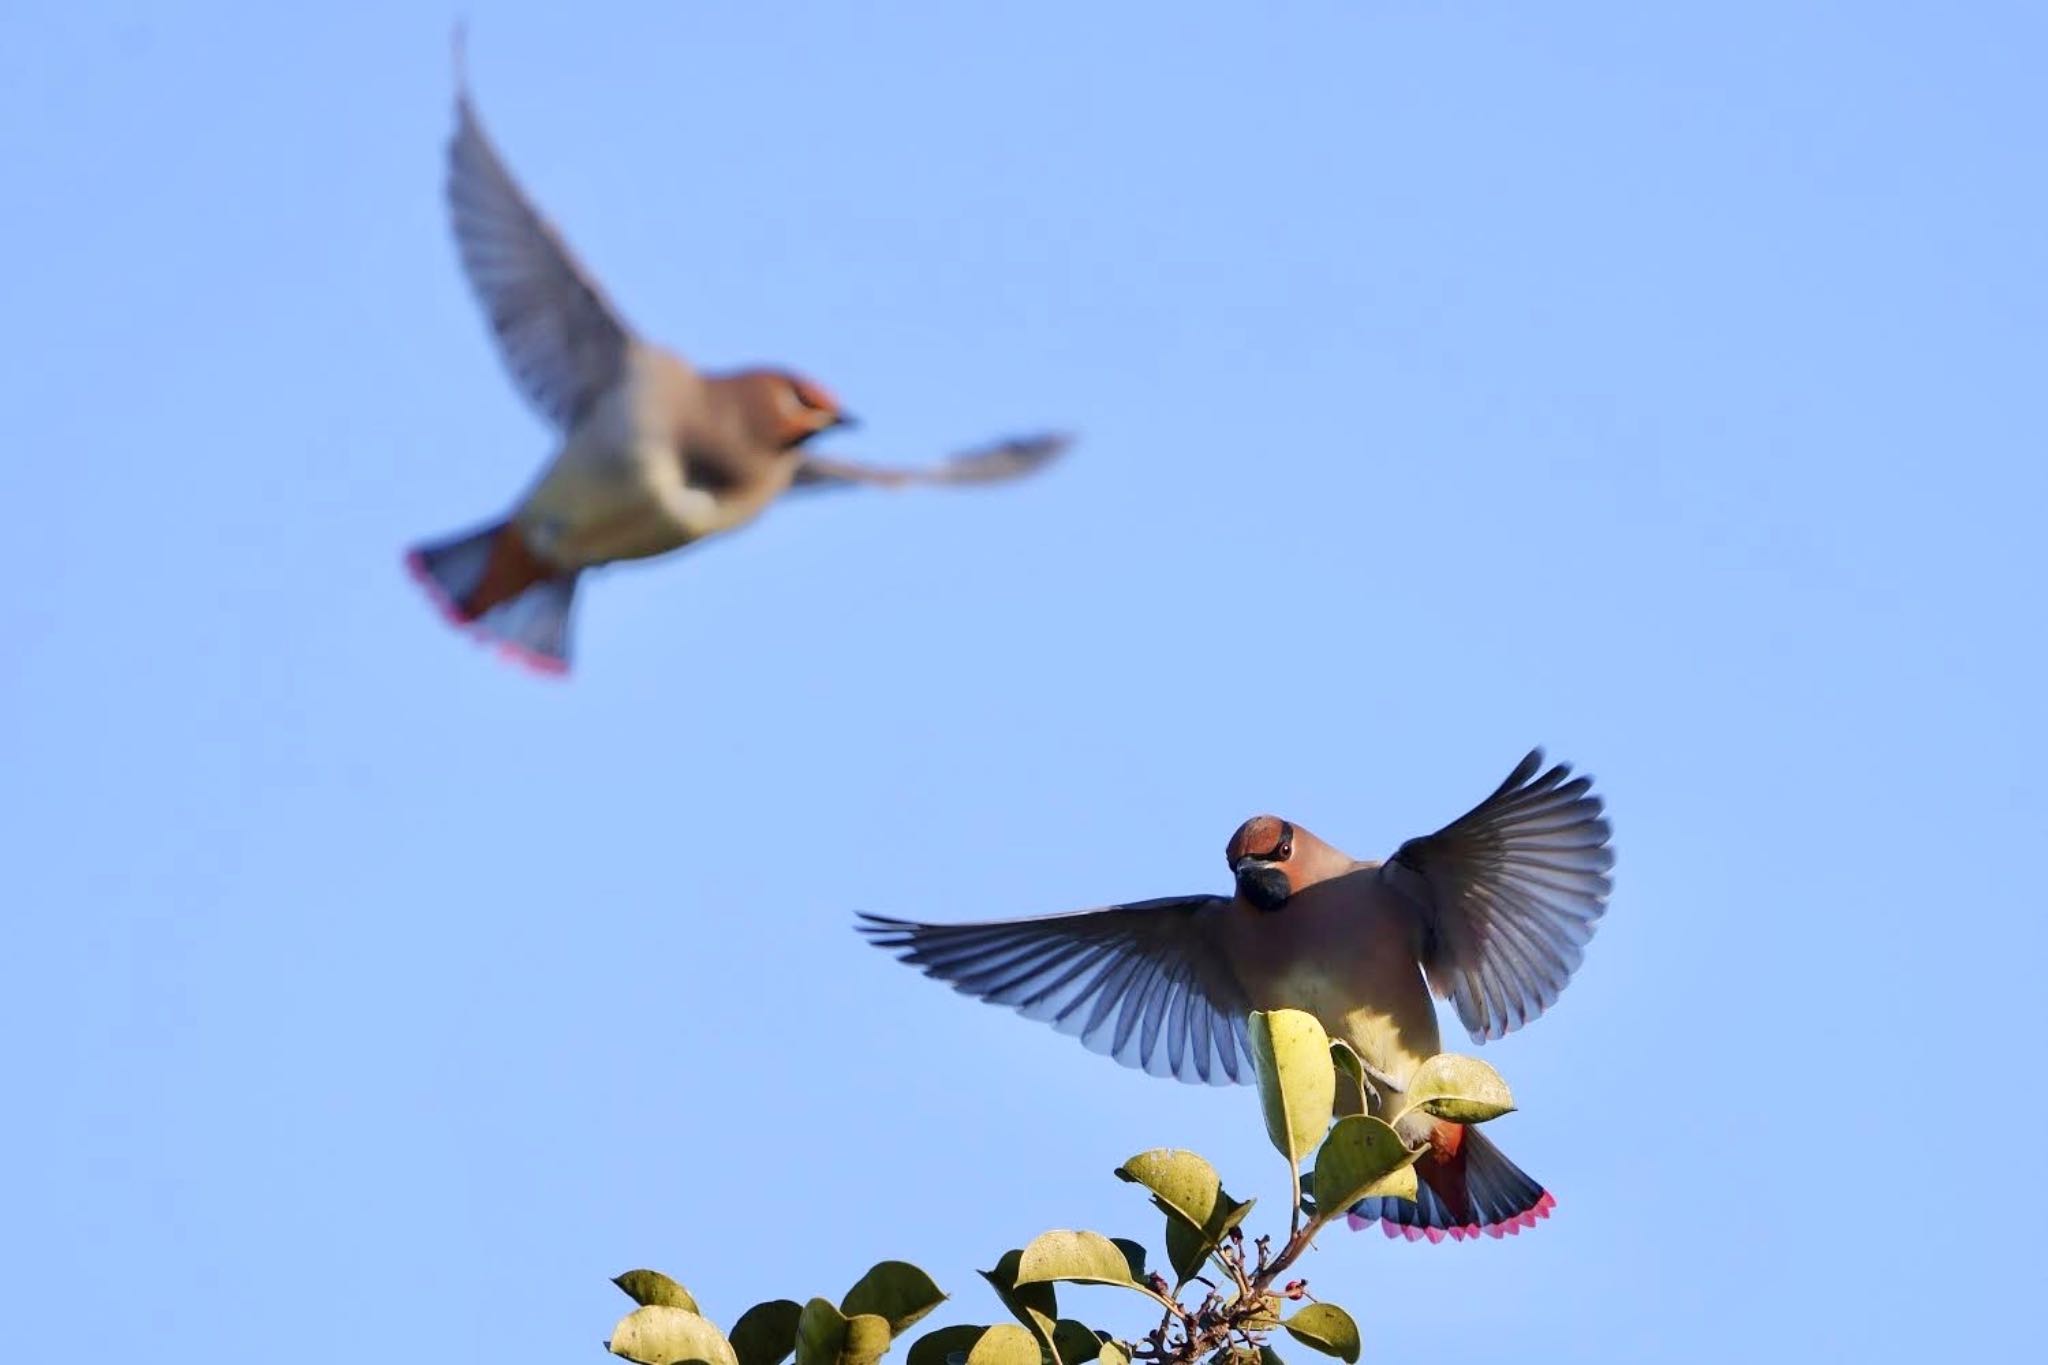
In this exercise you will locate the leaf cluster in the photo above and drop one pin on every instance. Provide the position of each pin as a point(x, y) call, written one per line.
point(1335, 1122)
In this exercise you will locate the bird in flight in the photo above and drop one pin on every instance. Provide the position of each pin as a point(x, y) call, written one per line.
point(654, 454)
point(1492, 912)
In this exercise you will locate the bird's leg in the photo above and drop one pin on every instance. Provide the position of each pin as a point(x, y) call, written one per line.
point(1378, 1086)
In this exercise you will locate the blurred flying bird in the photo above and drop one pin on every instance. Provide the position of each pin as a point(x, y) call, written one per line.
point(1492, 912)
point(654, 454)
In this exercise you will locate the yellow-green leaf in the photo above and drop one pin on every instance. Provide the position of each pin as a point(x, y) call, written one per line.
point(766, 1333)
point(826, 1336)
point(1003, 1344)
point(867, 1339)
point(1085, 1257)
point(1297, 1081)
point(659, 1334)
point(653, 1287)
point(1237, 1355)
point(1182, 1183)
point(1265, 1316)
point(1034, 1305)
point(1327, 1328)
point(1362, 1158)
point(1113, 1353)
point(1186, 1189)
point(895, 1290)
point(944, 1346)
point(1460, 1089)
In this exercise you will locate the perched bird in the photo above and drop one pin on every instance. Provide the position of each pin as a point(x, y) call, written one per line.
point(654, 454)
point(1492, 912)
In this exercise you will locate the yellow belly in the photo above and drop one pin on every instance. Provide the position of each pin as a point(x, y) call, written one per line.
point(592, 508)
point(616, 489)
point(1382, 1009)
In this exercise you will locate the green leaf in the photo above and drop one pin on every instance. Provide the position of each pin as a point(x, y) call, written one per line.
point(895, 1290)
point(826, 1336)
point(766, 1333)
point(1003, 1344)
point(661, 1334)
point(820, 1333)
point(653, 1287)
point(1362, 1158)
point(1084, 1257)
point(1297, 1081)
point(1186, 1189)
point(941, 1345)
point(1076, 1342)
point(1187, 1247)
point(1113, 1353)
point(1034, 1305)
point(1460, 1089)
point(1327, 1328)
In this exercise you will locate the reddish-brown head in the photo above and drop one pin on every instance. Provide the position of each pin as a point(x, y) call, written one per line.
point(1261, 857)
point(784, 410)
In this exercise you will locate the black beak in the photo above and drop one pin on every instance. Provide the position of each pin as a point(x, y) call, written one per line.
point(1261, 885)
point(844, 421)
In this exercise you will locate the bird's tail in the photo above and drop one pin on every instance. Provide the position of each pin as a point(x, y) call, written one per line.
point(491, 583)
point(1465, 1187)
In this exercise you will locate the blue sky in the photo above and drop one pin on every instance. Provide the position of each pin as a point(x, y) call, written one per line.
point(1659, 384)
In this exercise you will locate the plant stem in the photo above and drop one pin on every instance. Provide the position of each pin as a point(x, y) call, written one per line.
point(1294, 1202)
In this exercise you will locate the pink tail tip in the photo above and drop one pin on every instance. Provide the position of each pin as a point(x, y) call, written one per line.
point(1510, 1227)
point(545, 665)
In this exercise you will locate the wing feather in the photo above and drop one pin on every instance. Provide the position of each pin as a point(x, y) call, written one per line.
point(561, 340)
point(1146, 983)
point(1509, 895)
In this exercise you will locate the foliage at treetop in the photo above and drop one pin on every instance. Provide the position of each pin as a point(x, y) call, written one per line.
point(1324, 1115)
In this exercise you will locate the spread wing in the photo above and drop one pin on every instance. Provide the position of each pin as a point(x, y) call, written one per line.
point(560, 339)
point(1146, 983)
point(992, 464)
point(1509, 895)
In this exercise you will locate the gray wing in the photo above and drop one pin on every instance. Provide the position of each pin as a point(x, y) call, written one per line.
point(563, 343)
point(992, 464)
point(1145, 983)
point(1509, 895)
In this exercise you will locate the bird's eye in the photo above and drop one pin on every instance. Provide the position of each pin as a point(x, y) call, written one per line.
point(1285, 848)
